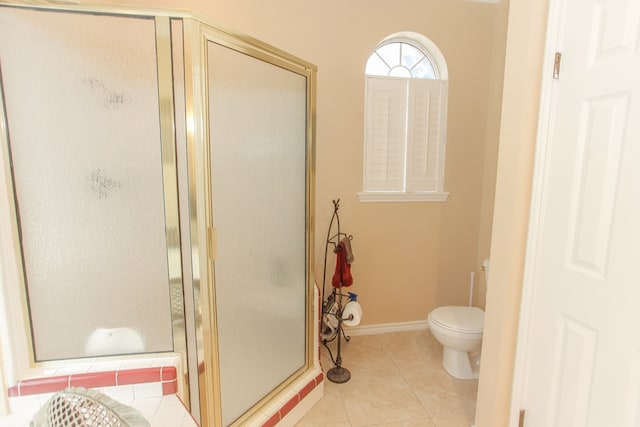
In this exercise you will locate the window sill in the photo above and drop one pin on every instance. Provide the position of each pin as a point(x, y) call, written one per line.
point(384, 197)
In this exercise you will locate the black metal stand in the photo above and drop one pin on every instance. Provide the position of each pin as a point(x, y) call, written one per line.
point(333, 306)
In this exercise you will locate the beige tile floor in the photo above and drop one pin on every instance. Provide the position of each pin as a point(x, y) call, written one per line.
point(397, 380)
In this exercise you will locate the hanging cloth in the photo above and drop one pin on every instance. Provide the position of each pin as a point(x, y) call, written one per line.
point(342, 276)
point(348, 252)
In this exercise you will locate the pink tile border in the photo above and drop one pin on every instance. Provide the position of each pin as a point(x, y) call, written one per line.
point(167, 375)
point(93, 379)
point(39, 385)
point(274, 420)
point(138, 376)
point(169, 387)
point(294, 401)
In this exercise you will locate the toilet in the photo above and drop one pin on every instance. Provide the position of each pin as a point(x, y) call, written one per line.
point(459, 330)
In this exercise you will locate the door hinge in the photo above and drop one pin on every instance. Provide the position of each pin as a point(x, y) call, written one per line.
point(521, 419)
point(556, 65)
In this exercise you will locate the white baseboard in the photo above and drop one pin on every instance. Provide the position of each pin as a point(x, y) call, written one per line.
point(386, 328)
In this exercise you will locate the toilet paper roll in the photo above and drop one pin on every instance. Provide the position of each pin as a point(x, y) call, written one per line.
point(327, 332)
point(352, 313)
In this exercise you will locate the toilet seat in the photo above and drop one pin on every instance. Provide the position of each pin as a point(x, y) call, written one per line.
point(461, 319)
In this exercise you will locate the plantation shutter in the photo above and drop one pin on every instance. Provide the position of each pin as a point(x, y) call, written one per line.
point(386, 120)
point(426, 135)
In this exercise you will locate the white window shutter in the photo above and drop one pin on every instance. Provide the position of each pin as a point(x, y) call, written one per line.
point(385, 134)
point(426, 135)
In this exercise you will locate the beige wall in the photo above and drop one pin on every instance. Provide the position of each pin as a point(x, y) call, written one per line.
point(410, 257)
point(491, 150)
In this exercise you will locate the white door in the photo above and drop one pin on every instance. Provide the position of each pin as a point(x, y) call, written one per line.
point(580, 327)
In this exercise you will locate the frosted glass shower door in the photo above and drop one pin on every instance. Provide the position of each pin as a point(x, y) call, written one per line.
point(258, 171)
point(81, 99)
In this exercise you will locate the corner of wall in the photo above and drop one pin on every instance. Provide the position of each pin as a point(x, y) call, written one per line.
point(519, 117)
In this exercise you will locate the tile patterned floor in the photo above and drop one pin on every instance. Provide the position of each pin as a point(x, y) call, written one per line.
point(397, 380)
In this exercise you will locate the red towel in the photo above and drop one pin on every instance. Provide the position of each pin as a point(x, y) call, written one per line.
point(342, 275)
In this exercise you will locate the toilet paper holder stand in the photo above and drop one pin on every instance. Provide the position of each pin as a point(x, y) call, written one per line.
point(333, 306)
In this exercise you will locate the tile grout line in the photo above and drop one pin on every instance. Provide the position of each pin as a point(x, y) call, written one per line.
point(413, 391)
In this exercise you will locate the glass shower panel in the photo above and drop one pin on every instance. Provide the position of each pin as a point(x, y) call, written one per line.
point(82, 110)
point(258, 148)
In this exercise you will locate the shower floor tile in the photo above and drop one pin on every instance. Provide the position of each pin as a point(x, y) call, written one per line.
point(397, 380)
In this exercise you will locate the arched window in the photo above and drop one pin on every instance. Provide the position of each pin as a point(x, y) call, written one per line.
point(405, 121)
point(401, 59)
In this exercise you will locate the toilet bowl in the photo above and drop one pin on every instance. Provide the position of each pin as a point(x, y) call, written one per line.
point(459, 330)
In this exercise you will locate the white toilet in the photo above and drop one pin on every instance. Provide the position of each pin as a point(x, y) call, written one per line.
point(459, 330)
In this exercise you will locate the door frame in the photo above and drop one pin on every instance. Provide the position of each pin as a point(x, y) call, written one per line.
point(534, 232)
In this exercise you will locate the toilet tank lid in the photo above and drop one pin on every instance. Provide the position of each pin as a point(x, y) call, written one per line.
point(459, 318)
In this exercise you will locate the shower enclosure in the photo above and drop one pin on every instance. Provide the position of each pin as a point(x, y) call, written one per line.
point(161, 169)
